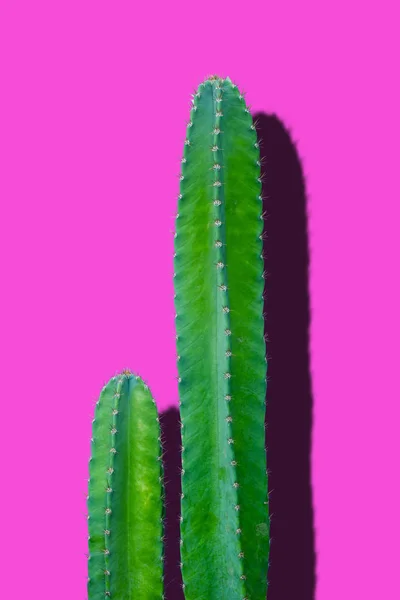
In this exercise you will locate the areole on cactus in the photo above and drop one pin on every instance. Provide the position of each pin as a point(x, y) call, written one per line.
point(219, 285)
point(222, 368)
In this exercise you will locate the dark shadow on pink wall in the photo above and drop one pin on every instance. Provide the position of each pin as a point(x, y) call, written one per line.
point(289, 399)
point(171, 441)
point(289, 393)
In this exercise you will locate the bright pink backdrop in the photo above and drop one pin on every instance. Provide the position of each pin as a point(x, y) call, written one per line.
point(95, 96)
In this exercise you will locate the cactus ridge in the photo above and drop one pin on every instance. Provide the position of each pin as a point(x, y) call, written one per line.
point(221, 350)
point(125, 508)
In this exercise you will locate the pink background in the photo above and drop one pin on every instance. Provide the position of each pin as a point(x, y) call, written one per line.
point(95, 97)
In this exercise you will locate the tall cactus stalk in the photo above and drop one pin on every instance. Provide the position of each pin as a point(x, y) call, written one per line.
point(125, 507)
point(221, 351)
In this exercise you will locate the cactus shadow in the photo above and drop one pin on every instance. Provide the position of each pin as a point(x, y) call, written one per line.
point(171, 442)
point(289, 389)
point(289, 397)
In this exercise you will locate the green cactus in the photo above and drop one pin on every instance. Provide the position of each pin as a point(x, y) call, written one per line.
point(222, 367)
point(125, 507)
point(222, 385)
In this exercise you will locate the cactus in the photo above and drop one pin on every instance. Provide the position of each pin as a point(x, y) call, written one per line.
point(222, 368)
point(125, 507)
point(222, 385)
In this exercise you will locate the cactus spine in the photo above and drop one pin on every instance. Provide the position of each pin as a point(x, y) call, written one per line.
point(125, 507)
point(222, 368)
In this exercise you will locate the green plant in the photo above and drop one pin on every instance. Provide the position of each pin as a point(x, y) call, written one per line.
point(125, 507)
point(222, 368)
point(222, 386)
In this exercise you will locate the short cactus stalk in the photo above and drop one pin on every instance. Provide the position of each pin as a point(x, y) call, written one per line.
point(222, 368)
point(125, 506)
